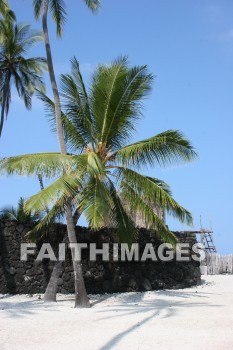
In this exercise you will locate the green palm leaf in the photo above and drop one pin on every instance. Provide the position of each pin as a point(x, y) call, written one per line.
point(95, 165)
point(124, 225)
point(46, 164)
point(38, 7)
point(95, 202)
point(128, 107)
point(121, 91)
point(76, 102)
point(19, 214)
point(152, 191)
point(138, 205)
point(57, 9)
point(165, 148)
point(74, 140)
point(25, 73)
point(42, 227)
point(93, 5)
point(6, 12)
point(66, 186)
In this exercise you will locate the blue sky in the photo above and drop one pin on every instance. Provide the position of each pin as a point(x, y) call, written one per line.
point(188, 45)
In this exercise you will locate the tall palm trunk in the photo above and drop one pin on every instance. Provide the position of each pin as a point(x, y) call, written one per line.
point(51, 289)
point(81, 299)
point(5, 93)
point(40, 179)
point(2, 117)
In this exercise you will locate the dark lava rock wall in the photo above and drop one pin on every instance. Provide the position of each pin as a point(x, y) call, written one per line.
point(100, 276)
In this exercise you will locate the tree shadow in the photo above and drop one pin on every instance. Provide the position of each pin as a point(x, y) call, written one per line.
point(24, 308)
point(159, 306)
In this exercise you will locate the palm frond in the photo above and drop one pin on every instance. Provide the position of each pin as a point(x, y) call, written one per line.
point(74, 140)
point(66, 186)
point(29, 41)
point(121, 91)
point(152, 191)
point(8, 213)
point(138, 205)
point(26, 73)
point(95, 202)
point(166, 148)
point(46, 164)
point(58, 11)
point(95, 165)
point(6, 12)
point(38, 7)
point(19, 214)
point(42, 227)
point(93, 5)
point(126, 112)
point(76, 102)
point(124, 225)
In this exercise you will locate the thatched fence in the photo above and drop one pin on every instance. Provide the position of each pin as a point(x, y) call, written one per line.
point(218, 264)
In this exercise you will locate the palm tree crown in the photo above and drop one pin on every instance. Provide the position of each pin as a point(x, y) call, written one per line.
point(25, 73)
point(58, 10)
point(101, 172)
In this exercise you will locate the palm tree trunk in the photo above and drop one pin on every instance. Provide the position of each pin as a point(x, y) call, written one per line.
point(5, 92)
point(40, 179)
point(56, 97)
point(51, 289)
point(50, 294)
point(81, 299)
point(2, 118)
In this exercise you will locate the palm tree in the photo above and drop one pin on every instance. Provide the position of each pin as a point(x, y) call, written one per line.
point(58, 12)
point(25, 73)
point(19, 214)
point(102, 169)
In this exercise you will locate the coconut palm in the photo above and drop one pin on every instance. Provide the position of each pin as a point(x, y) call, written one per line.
point(58, 12)
point(101, 170)
point(15, 67)
point(19, 214)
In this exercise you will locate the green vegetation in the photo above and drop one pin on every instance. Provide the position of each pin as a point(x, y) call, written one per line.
point(19, 213)
point(58, 12)
point(6, 12)
point(97, 129)
point(26, 73)
point(97, 170)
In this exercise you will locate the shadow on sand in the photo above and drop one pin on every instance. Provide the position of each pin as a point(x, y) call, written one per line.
point(166, 303)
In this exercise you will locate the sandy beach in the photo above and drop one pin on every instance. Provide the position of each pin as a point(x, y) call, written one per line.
point(194, 318)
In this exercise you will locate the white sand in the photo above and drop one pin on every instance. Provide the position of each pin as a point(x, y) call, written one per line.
point(194, 318)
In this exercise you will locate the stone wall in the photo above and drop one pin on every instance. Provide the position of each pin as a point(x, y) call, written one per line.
point(32, 277)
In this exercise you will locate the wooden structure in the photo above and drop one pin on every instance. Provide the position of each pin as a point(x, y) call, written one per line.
point(206, 239)
point(217, 264)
